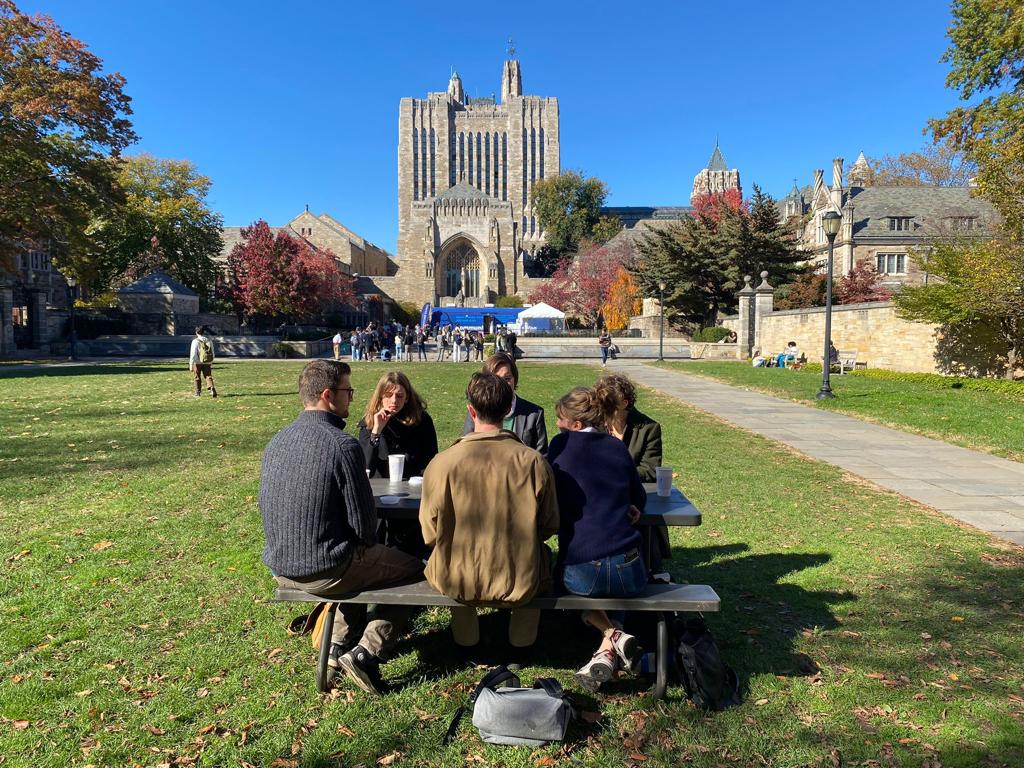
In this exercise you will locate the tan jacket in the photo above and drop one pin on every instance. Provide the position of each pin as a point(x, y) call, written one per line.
point(488, 503)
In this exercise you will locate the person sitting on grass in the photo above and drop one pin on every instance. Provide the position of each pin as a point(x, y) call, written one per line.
point(758, 360)
point(600, 497)
point(789, 355)
point(524, 419)
point(320, 523)
point(487, 506)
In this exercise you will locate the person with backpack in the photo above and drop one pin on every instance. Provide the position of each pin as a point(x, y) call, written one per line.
point(421, 343)
point(456, 344)
point(200, 362)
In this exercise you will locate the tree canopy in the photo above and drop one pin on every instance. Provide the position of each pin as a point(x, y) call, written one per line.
point(165, 200)
point(939, 164)
point(61, 121)
point(279, 275)
point(568, 210)
point(703, 257)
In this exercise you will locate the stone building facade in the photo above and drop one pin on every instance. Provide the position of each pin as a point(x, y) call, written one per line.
point(466, 169)
point(716, 178)
point(882, 225)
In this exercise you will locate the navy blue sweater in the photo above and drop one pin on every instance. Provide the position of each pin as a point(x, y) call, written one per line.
point(596, 482)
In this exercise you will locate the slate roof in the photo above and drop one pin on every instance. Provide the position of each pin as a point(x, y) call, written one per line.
point(717, 162)
point(463, 191)
point(158, 282)
point(632, 215)
point(928, 207)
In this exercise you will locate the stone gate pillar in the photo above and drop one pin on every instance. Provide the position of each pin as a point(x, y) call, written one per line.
point(37, 318)
point(745, 333)
point(764, 303)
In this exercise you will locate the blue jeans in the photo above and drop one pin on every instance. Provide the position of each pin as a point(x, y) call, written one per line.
point(613, 576)
point(604, 355)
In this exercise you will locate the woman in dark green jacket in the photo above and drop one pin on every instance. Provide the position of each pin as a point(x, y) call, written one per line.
point(642, 436)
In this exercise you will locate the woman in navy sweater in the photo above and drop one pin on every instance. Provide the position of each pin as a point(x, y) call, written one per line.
point(599, 498)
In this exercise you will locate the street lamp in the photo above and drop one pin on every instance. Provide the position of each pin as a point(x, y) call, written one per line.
point(72, 285)
point(830, 222)
point(661, 321)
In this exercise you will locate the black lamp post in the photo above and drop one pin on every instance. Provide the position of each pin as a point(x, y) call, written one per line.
point(661, 321)
point(830, 222)
point(72, 286)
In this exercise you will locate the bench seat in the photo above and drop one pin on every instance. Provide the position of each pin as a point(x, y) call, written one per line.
point(661, 598)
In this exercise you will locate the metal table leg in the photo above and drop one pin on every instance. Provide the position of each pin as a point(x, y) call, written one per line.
point(661, 669)
point(323, 671)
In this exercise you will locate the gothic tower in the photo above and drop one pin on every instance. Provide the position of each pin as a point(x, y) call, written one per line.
point(716, 178)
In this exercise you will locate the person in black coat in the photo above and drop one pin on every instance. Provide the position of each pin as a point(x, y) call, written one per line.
point(396, 421)
point(525, 419)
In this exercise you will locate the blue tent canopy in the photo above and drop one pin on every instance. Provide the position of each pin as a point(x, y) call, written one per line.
point(473, 317)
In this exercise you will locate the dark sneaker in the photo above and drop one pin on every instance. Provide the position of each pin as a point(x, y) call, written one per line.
point(213, 392)
point(363, 669)
point(335, 654)
point(598, 670)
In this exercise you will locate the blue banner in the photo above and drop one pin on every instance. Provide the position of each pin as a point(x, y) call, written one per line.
point(425, 315)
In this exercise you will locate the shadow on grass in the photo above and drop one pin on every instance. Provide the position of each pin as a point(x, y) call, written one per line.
point(81, 370)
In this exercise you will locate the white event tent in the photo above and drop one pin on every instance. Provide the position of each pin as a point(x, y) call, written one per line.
point(541, 317)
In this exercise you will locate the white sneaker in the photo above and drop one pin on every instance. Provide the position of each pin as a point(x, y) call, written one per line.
point(598, 670)
point(625, 648)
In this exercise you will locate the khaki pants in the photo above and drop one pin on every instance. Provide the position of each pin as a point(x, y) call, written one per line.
point(522, 626)
point(201, 371)
point(375, 566)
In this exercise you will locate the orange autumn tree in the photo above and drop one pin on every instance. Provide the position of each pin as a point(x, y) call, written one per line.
point(622, 302)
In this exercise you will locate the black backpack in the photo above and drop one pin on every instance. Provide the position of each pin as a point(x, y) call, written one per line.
point(710, 683)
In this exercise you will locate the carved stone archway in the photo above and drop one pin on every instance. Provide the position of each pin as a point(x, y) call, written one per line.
point(459, 269)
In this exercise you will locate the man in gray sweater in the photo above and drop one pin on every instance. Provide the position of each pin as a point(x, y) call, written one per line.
point(320, 522)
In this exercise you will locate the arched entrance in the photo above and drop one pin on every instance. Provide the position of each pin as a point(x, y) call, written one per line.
point(460, 270)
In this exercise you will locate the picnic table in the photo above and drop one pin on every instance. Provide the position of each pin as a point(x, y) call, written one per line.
point(400, 500)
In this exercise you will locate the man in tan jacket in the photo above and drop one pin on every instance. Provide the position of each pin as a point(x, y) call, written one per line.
point(487, 505)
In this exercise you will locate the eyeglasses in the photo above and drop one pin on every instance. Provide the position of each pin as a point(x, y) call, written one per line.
point(350, 390)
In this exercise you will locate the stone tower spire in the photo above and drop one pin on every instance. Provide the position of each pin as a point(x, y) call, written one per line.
point(455, 88)
point(860, 172)
point(511, 81)
point(716, 178)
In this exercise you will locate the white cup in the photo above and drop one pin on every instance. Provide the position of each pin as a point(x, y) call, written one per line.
point(396, 466)
point(663, 479)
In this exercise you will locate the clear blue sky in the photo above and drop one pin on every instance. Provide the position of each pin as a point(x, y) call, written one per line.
point(287, 107)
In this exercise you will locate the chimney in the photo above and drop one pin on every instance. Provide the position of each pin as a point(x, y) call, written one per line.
point(837, 183)
point(819, 176)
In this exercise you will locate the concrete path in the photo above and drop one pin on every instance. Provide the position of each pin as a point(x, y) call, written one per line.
point(982, 490)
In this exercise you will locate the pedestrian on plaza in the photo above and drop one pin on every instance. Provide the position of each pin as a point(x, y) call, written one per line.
point(353, 341)
point(478, 345)
point(320, 523)
point(421, 343)
point(336, 343)
point(399, 344)
point(604, 341)
point(457, 344)
point(488, 546)
point(200, 362)
point(409, 341)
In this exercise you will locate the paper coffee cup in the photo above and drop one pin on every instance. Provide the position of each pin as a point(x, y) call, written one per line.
point(663, 479)
point(396, 466)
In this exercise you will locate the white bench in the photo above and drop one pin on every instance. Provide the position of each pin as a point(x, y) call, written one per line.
point(847, 361)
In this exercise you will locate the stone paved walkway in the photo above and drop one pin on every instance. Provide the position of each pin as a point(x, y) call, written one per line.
point(977, 488)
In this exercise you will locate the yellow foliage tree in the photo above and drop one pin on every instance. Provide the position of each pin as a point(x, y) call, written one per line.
point(622, 301)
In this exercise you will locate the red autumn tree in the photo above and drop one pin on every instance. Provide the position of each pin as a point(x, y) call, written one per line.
point(861, 284)
point(713, 207)
point(277, 274)
point(579, 287)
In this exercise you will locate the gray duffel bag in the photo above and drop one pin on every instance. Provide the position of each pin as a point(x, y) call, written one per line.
point(513, 715)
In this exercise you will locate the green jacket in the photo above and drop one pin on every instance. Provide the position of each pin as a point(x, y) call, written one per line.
point(643, 439)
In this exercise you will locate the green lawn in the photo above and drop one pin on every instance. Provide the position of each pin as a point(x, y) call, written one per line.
point(985, 421)
point(135, 626)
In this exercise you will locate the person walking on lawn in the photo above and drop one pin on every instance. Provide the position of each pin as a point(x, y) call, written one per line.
point(200, 362)
point(320, 523)
point(489, 546)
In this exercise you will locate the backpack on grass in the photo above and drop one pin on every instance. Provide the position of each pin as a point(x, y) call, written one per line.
point(710, 683)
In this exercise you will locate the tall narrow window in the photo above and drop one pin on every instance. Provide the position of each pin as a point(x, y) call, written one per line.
point(433, 160)
point(504, 166)
point(542, 153)
point(526, 155)
point(423, 162)
point(462, 156)
point(533, 155)
point(487, 164)
point(415, 163)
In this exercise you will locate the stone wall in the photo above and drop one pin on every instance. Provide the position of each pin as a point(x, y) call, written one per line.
point(881, 339)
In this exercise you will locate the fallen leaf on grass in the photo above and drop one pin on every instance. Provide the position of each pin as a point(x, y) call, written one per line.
point(20, 725)
point(638, 757)
point(346, 731)
point(958, 618)
point(760, 702)
point(925, 636)
point(274, 653)
point(545, 760)
point(389, 759)
point(202, 693)
point(155, 731)
point(99, 546)
point(17, 557)
point(283, 763)
point(83, 694)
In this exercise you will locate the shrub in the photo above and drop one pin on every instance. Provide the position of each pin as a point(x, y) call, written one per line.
point(509, 301)
point(1013, 389)
point(280, 350)
point(712, 334)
